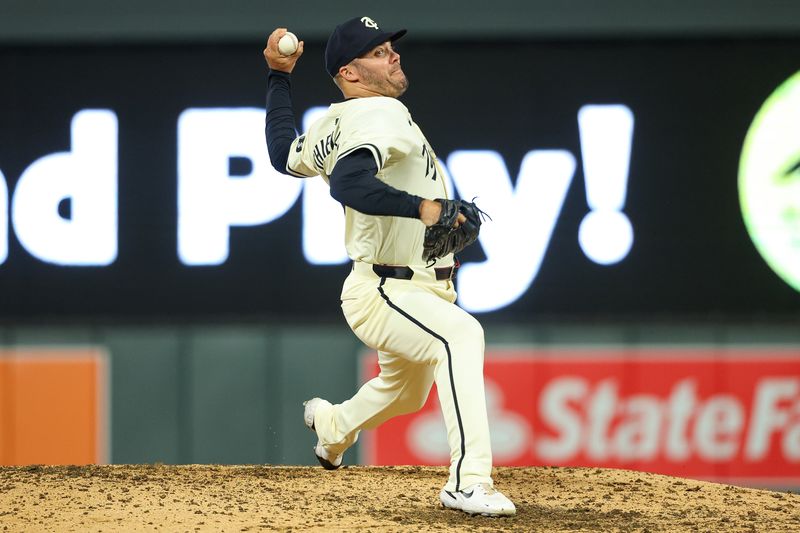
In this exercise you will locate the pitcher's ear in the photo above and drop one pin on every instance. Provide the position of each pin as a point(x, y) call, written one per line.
point(349, 72)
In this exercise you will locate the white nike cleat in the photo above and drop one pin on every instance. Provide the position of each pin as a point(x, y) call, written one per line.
point(310, 407)
point(326, 459)
point(480, 498)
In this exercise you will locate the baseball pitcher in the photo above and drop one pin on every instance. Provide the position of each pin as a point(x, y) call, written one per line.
point(401, 232)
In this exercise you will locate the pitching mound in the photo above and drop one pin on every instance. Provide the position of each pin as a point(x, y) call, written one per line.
point(249, 498)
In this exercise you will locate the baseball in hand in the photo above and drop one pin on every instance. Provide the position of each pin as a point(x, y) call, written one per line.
point(288, 44)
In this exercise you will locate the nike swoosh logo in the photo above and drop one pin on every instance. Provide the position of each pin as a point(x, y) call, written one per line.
point(468, 494)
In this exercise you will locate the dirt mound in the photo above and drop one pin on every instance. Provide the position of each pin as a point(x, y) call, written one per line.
point(249, 498)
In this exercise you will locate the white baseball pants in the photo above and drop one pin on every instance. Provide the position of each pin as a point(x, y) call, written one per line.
point(421, 336)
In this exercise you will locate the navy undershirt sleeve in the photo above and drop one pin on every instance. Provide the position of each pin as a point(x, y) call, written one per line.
point(353, 183)
point(280, 128)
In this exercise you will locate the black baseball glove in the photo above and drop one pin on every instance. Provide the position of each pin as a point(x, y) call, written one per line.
point(443, 237)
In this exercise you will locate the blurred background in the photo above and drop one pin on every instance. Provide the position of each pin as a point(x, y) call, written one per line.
point(166, 297)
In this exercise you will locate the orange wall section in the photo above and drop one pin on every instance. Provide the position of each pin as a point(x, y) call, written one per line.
point(53, 406)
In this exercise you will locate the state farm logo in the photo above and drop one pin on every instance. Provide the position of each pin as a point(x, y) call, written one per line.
point(597, 422)
point(691, 412)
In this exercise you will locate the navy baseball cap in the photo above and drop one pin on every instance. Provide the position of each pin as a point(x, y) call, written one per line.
point(353, 39)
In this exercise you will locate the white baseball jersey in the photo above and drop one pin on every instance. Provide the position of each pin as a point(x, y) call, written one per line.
point(404, 159)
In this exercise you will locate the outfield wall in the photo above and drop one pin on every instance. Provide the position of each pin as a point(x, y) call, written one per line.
point(233, 393)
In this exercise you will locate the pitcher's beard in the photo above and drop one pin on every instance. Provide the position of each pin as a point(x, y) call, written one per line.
point(392, 86)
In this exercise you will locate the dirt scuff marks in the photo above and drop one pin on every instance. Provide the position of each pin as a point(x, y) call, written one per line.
point(267, 498)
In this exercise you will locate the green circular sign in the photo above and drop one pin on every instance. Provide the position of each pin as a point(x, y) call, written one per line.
point(769, 181)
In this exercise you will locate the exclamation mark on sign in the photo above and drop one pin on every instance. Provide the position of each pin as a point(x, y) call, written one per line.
point(606, 234)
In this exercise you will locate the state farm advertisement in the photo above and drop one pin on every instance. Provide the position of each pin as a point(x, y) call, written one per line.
point(727, 415)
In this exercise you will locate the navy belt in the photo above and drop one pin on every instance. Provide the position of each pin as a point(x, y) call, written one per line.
point(404, 272)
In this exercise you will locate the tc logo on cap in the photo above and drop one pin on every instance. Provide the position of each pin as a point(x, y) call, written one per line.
point(369, 23)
